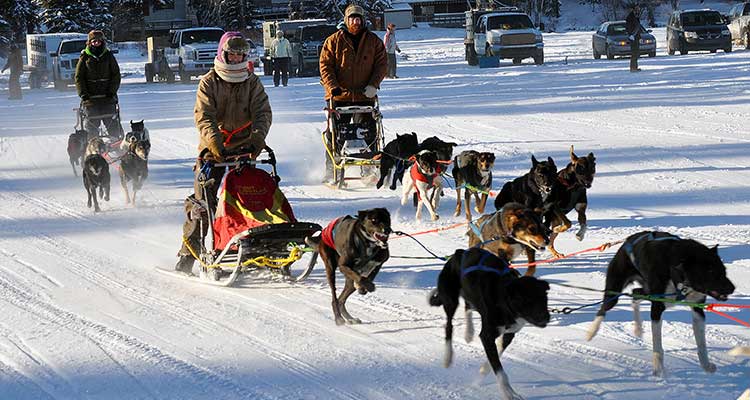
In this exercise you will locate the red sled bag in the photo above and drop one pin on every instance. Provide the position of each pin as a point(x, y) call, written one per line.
point(248, 198)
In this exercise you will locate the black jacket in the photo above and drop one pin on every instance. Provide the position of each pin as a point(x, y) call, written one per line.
point(97, 78)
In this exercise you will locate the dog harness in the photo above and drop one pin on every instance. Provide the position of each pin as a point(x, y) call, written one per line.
point(481, 266)
point(418, 175)
point(328, 233)
point(682, 289)
point(477, 229)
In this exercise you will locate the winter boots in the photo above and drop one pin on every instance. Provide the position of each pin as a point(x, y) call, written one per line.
point(185, 264)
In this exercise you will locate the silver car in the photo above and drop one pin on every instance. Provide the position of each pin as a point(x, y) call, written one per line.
point(611, 39)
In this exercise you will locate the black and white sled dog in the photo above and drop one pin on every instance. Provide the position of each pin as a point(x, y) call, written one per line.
point(505, 302)
point(423, 179)
point(139, 132)
point(96, 172)
point(666, 265)
point(134, 166)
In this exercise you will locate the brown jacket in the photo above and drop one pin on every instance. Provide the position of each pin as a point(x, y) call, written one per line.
point(229, 106)
point(341, 67)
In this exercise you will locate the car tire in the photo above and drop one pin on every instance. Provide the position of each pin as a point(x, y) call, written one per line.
point(517, 61)
point(712, 51)
point(747, 40)
point(728, 49)
point(539, 57)
point(184, 76)
point(597, 56)
point(610, 56)
point(683, 48)
point(300, 67)
point(149, 73)
point(652, 54)
point(471, 55)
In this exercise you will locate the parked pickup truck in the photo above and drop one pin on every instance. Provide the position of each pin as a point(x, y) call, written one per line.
point(505, 33)
point(191, 51)
point(739, 24)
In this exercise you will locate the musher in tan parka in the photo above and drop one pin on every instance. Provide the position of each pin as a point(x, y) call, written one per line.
point(233, 116)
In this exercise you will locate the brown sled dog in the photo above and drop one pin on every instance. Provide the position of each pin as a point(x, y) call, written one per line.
point(509, 231)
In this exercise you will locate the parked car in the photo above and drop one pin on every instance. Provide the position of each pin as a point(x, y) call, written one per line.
point(691, 30)
point(739, 24)
point(611, 39)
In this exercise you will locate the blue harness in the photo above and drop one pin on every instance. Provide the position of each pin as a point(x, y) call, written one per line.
point(481, 266)
point(629, 247)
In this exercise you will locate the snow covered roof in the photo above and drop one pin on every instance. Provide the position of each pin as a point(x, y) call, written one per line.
point(399, 7)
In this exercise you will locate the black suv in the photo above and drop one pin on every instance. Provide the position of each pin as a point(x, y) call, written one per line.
point(691, 30)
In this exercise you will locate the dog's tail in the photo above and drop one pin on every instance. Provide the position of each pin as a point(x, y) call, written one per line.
point(434, 298)
point(313, 242)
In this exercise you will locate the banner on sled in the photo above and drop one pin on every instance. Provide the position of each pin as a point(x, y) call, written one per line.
point(247, 200)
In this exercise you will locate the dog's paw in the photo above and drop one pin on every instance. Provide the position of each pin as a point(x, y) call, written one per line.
point(485, 369)
point(340, 321)
point(581, 233)
point(367, 285)
point(435, 217)
point(353, 321)
point(709, 367)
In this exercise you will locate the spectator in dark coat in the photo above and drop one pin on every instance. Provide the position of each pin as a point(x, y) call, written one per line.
point(633, 25)
point(15, 64)
point(97, 81)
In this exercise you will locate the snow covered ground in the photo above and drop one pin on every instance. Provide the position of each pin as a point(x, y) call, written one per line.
point(85, 316)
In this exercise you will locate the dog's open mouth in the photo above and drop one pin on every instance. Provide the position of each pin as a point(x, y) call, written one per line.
point(380, 237)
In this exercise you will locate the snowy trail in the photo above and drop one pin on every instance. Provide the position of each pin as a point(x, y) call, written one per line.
point(87, 317)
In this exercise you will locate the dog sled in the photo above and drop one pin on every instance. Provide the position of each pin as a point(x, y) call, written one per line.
point(112, 140)
point(353, 140)
point(253, 228)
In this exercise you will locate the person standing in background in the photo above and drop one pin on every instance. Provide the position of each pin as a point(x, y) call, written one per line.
point(391, 47)
point(281, 54)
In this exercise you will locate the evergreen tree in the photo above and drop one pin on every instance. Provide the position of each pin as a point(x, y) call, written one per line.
point(65, 15)
point(126, 14)
point(18, 17)
point(232, 14)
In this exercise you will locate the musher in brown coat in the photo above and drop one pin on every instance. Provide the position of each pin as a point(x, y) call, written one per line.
point(352, 66)
point(233, 116)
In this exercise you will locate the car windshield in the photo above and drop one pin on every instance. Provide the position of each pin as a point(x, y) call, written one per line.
point(617, 29)
point(72, 46)
point(204, 36)
point(506, 22)
point(317, 33)
point(701, 19)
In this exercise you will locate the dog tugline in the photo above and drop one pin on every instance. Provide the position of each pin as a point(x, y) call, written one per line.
point(250, 221)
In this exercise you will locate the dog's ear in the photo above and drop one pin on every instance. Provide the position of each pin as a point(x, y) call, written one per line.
point(131, 122)
point(534, 162)
point(591, 157)
point(573, 156)
point(362, 214)
point(551, 161)
point(715, 249)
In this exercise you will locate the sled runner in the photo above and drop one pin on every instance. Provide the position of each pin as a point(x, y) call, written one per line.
point(253, 226)
point(353, 138)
